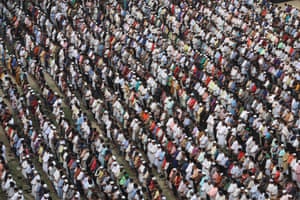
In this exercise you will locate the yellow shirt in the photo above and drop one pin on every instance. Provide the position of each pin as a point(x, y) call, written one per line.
point(40, 153)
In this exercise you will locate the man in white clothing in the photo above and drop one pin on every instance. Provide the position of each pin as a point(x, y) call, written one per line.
point(151, 150)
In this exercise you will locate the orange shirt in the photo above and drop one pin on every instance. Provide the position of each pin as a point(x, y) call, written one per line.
point(249, 42)
point(144, 116)
point(1, 169)
point(264, 12)
point(290, 158)
point(276, 176)
point(177, 181)
point(152, 126)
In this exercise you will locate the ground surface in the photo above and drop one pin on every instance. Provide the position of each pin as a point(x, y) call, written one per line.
point(295, 3)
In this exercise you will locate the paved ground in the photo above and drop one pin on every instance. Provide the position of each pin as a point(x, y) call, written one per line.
point(295, 3)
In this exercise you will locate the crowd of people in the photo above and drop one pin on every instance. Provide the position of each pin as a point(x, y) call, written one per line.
point(8, 182)
point(206, 93)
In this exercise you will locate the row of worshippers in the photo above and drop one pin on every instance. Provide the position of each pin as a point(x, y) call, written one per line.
point(75, 168)
point(49, 137)
point(198, 98)
point(8, 183)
